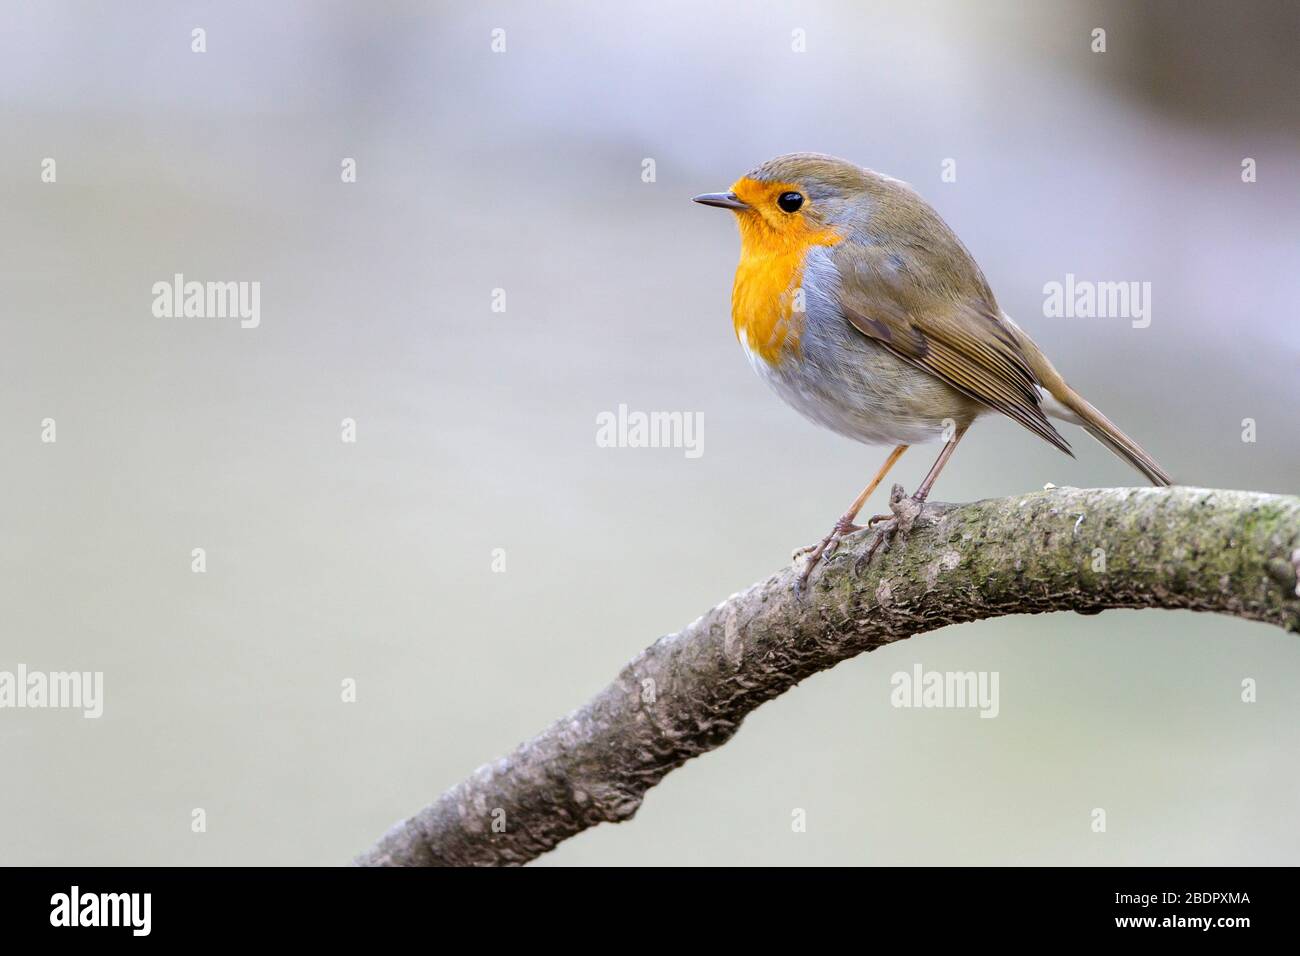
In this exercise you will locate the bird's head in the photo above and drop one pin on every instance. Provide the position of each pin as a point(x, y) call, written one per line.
point(795, 201)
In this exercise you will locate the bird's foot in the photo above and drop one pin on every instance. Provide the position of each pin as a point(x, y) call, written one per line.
point(822, 550)
point(892, 527)
point(828, 544)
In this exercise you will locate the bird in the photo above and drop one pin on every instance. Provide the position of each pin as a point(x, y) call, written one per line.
point(861, 308)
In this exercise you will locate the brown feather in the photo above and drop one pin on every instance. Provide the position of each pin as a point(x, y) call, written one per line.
point(944, 319)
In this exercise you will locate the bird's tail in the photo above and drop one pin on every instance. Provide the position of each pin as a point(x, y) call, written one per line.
point(1067, 404)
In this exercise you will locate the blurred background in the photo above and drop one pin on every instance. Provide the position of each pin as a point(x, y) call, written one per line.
point(522, 171)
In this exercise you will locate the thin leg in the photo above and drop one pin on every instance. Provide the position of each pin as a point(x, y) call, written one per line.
point(923, 491)
point(845, 525)
point(895, 522)
point(847, 519)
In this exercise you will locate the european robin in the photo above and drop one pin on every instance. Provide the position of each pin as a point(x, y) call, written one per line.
point(860, 307)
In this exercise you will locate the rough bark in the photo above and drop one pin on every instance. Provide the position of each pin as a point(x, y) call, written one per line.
point(1065, 549)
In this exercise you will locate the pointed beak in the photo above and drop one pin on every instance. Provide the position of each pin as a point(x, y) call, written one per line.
point(721, 200)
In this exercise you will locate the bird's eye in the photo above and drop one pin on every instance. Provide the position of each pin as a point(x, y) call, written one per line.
point(790, 202)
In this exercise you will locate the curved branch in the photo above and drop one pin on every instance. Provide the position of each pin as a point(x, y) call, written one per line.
point(1067, 549)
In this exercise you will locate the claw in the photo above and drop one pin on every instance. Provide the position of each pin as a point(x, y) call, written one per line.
point(884, 537)
point(821, 551)
point(899, 524)
point(904, 510)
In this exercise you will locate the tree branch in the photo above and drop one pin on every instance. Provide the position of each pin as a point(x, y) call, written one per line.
point(1067, 549)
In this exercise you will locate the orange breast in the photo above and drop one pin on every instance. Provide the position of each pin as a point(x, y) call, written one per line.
point(766, 301)
point(763, 302)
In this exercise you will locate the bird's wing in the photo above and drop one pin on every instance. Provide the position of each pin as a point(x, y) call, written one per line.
point(947, 325)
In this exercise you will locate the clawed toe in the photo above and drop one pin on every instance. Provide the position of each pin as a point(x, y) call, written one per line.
point(819, 552)
point(884, 537)
point(827, 545)
point(905, 511)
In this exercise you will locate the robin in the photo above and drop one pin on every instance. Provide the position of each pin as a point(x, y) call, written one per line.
point(860, 307)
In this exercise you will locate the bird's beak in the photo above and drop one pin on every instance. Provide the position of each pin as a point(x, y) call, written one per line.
point(721, 200)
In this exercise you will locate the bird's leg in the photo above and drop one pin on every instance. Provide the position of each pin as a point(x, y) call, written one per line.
point(906, 510)
point(845, 525)
point(927, 483)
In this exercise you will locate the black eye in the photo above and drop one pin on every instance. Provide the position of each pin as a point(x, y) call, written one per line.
point(790, 202)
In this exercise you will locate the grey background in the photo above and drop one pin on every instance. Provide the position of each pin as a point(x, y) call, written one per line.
point(521, 171)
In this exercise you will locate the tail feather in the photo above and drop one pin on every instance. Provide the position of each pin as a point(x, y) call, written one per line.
point(1073, 407)
point(1067, 404)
